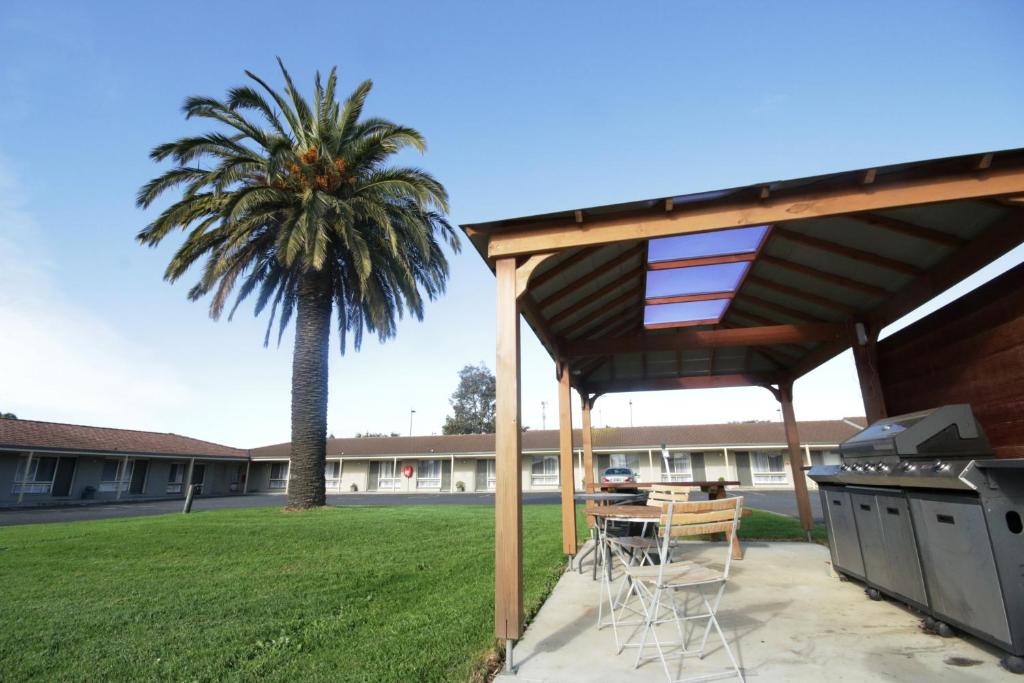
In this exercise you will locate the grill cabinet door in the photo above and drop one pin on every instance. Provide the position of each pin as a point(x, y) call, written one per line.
point(887, 540)
point(958, 565)
point(842, 531)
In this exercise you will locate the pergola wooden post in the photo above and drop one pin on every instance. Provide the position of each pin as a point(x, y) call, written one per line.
point(566, 475)
point(865, 357)
point(508, 489)
point(587, 399)
point(796, 456)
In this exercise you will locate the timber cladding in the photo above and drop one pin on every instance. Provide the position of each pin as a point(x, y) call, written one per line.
point(970, 351)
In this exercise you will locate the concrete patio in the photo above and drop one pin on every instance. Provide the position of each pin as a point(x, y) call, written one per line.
point(786, 618)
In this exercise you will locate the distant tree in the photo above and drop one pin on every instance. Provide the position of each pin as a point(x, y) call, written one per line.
point(8, 416)
point(372, 435)
point(473, 402)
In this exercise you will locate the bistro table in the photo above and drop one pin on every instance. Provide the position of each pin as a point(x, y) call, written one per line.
point(604, 499)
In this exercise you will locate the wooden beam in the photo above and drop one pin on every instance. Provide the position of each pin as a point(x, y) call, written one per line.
point(1000, 238)
point(825, 276)
point(615, 305)
point(688, 382)
point(701, 261)
point(711, 296)
point(802, 294)
point(703, 339)
point(567, 478)
point(594, 298)
point(524, 271)
point(777, 308)
point(785, 207)
point(508, 494)
point(796, 458)
point(943, 239)
point(589, 276)
point(857, 255)
point(1004, 235)
point(562, 266)
point(865, 358)
point(680, 325)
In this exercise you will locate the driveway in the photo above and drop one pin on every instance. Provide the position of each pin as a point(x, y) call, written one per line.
point(782, 502)
point(74, 513)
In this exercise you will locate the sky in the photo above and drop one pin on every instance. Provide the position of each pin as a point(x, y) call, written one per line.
point(527, 108)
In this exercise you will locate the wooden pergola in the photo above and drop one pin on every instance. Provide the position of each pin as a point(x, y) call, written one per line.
point(750, 286)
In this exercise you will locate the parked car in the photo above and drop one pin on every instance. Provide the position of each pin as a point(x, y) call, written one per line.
point(619, 475)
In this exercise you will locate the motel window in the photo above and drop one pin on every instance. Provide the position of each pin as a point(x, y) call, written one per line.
point(115, 475)
point(544, 471)
point(35, 476)
point(278, 475)
point(176, 477)
point(429, 475)
point(332, 473)
point(628, 460)
point(386, 478)
point(768, 468)
point(677, 467)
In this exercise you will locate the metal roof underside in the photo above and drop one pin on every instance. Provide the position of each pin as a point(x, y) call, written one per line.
point(836, 269)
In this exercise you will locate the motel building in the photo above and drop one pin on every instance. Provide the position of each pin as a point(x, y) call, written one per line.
point(47, 463)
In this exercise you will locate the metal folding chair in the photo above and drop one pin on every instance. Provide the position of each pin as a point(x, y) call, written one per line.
point(632, 551)
point(656, 585)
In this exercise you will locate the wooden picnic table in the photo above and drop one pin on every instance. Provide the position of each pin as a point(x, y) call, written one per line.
point(646, 513)
point(714, 489)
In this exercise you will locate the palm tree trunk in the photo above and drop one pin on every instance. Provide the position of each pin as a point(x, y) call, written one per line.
point(307, 488)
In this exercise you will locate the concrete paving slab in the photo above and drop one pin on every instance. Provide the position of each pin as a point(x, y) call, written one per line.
point(784, 616)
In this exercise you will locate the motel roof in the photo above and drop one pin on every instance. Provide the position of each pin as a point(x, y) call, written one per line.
point(819, 432)
point(31, 435)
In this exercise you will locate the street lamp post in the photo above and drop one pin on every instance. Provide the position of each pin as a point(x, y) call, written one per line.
point(630, 412)
point(411, 413)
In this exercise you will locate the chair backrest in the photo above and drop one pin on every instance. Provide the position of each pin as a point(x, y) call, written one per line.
point(659, 496)
point(699, 517)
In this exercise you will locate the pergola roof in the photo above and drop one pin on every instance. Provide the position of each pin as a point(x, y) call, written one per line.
point(865, 246)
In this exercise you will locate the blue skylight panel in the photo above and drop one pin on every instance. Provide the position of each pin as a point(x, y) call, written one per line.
point(691, 311)
point(697, 245)
point(721, 277)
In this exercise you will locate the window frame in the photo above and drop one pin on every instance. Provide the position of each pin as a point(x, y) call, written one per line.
point(332, 481)
point(389, 482)
point(429, 482)
point(768, 477)
point(279, 483)
point(670, 472)
point(22, 484)
point(122, 476)
point(547, 476)
point(176, 478)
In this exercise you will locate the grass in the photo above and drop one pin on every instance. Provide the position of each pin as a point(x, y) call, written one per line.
point(342, 594)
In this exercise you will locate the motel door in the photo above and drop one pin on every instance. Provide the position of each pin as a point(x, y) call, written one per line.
point(62, 480)
point(198, 477)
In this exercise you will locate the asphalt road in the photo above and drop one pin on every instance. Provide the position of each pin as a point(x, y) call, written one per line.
point(775, 501)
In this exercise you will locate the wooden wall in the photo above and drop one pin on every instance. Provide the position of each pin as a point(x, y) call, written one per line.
point(970, 351)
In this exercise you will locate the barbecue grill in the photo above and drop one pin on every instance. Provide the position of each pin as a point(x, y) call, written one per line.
point(921, 511)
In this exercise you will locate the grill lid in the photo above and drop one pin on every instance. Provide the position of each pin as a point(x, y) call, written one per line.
point(948, 431)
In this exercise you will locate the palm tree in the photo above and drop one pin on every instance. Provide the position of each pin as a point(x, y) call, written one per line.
point(296, 202)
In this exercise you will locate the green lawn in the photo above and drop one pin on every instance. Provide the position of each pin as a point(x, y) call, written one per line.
point(343, 594)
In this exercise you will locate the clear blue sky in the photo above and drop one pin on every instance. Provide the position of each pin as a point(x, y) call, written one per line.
point(527, 107)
